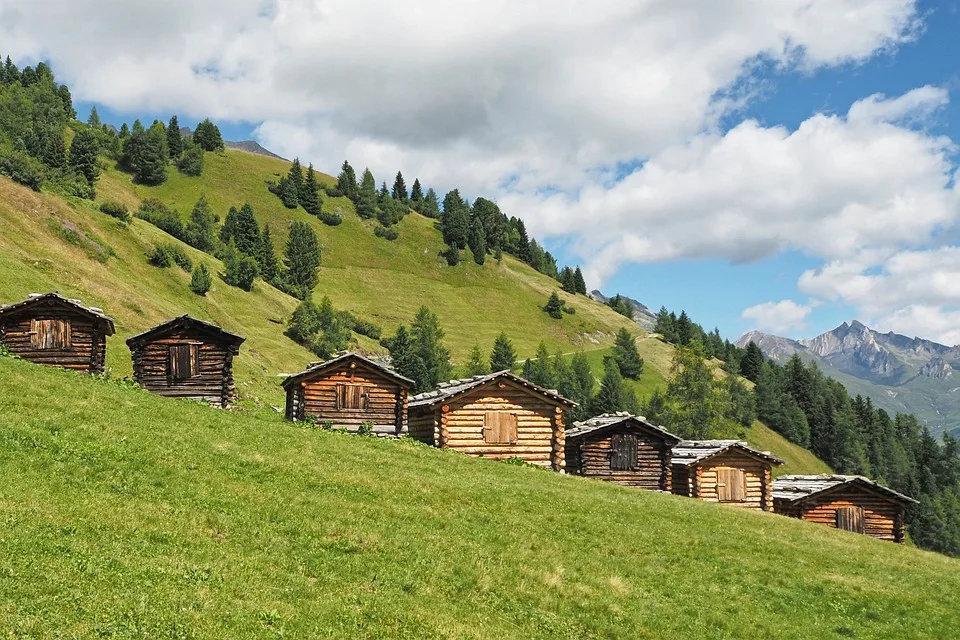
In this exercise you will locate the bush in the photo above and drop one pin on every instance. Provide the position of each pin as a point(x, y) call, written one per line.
point(240, 269)
point(331, 219)
point(165, 255)
point(116, 210)
point(367, 328)
point(452, 254)
point(365, 428)
point(200, 280)
point(554, 306)
point(333, 192)
point(191, 162)
point(390, 233)
point(157, 214)
point(22, 168)
point(159, 257)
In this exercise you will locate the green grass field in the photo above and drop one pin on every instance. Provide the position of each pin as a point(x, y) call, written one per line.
point(127, 515)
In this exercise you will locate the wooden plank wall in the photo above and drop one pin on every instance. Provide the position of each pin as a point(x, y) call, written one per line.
point(387, 400)
point(756, 472)
point(680, 480)
point(590, 457)
point(882, 518)
point(214, 382)
point(87, 351)
point(425, 425)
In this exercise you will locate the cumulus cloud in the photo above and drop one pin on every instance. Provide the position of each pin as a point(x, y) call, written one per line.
point(777, 317)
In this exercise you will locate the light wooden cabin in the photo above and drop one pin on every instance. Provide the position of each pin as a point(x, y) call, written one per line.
point(724, 471)
point(52, 330)
point(497, 416)
point(621, 448)
point(186, 358)
point(851, 503)
point(348, 391)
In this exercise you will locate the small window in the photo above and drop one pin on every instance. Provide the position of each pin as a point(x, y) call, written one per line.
point(623, 452)
point(184, 361)
point(731, 485)
point(499, 427)
point(51, 334)
point(850, 519)
point(353, 396)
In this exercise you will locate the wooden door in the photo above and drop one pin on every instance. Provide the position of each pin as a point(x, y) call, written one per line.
point(731, 485)
point(183, 363)
point(623, 452)
point(850, 519)
point(51, 334)
point(499, 427)
point(353, 397)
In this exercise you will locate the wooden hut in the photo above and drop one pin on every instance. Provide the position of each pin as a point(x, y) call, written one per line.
point(186, 358)
point(851, 503)
point(498, 416)
point(348, 391)
point(621, 448)
point(50, 329)
point(724, 471)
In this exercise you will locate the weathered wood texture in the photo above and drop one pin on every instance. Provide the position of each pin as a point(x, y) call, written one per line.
point(57, 336)
point(155, 366)
point(473, 424)
point(882, 518)
point(348, 396)
point(604, 457)
point(730, 477)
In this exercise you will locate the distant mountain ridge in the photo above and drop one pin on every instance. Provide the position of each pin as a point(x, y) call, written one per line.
point(897, 372)
point(641, 313)
point(250, 146)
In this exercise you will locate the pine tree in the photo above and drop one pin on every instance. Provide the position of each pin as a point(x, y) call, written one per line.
point(478, 241)
point(124, 131)
point(455, 220)
point(152, 166)
point(621, 305)
point(416, 195)
point(174, 138)
point(347, 183)
point(695, 402)
point(684, 329)
point(626, 356)
point(752, 362)
point(309, 194)
point(94, 119)
point(10, 72)
point(554, 306)
point(404, 358)
point(207, 135)
point(477, 365)
point(613, 396)
point(427, 338)
point(191, 158)
point(579, 282)
point(84, 155)
point(539, 370)
point(367, 199)
point(239, 270)
point(200, 280)
point(288, 192)
point(296, 176)
point(399, 192)
point(199, 230)
point(504, 356)
point(431, 205)
point(246, 233)
point(566, 280)
point(302, 258)
point(523, 243)
point(63, 92)
point(582, 384)
point(55, 150)
point(269, 265)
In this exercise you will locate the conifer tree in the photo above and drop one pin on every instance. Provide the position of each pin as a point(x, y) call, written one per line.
point(10, 72)
point(695, 402)
point(539, 370)
point(124, 131)
point(416, 195)
point(554, 306)
point(229, 227)
point(63, 92)
point(269, 265)
point(613, 396)
point(246, 233)
point(684, 329)
point(84, 152)
point(626, 356)
point(200, 280)
point(240, 270)
point(288, 193)
point(752, 362)
point(199, 230)
point(399, 192)
point(174, 138)
point(367, 198)
point(309, 194)
point(207, 135)
point(478, 241)
point(427, 338)
point(504, 356)
point(523, 244)
point(477, 365)
point(567, 281)
point(582, 384)
point(455, 220)
point(347, 183)
point(94, 119)
point(55, 150)
point(579, 283)
point(383, 195)
point(302, 258)
point(431, 206)
point(191, 158)
point(152, 166)
point(404, 358)
point(296, 176)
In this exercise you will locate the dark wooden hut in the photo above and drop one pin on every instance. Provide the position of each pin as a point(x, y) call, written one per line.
point(724, 471)
point(851, 503)
point(348, 391)
point(186, 358)
point(50, 329)
point(621, 448)
point(498, 416)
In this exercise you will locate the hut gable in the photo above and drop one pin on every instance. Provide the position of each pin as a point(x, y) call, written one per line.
point(851, 503)
point(621, 448)
point(53, 330)
point(348, 391)
point(725, 471)
point(186, 358)
point(499, 416)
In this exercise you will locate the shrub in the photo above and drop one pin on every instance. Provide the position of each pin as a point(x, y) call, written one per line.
point(159, 257)
point(365, 428)
point(165, 255)
point(330, 219)
point(157, 214)
point(390, 233)
point(21, 168)
point(191, 162)
point(367, 328)
point(240, 269)
point(200, 280)
point(116, 210)
point(333, 192)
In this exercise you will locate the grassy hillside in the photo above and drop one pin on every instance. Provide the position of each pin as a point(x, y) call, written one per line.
point(127, 515)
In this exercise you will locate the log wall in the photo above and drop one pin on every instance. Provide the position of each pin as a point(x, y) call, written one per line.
point(87, 349)
point(590, 457)
point(700, 480)
point(882, 518)
point(214, 380)
point(316, 399)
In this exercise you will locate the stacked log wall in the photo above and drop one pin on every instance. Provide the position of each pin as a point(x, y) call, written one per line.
point(756, 474)
point(88, 343)
point(424, 426)
point(591, 458)
point(387, 400)
point(882, 518)
point(680, 480)
point(214, 379)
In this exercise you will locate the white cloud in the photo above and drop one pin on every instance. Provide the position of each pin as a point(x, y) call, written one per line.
point(777, 317)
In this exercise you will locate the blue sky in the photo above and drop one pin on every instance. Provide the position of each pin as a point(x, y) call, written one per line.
point(849, 201)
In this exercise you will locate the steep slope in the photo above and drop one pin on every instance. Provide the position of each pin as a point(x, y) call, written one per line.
point(641, 313)
point(900, 374)
point(123, 514)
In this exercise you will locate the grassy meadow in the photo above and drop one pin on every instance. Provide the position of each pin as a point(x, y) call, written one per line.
point(127, 515)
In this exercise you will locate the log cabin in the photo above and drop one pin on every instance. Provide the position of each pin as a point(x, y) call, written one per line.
point(52, 330)
point(186, 358)
point(621, 448)
point(499, 416)
point(725, 471)
point(851, 503)
point(348, 391)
